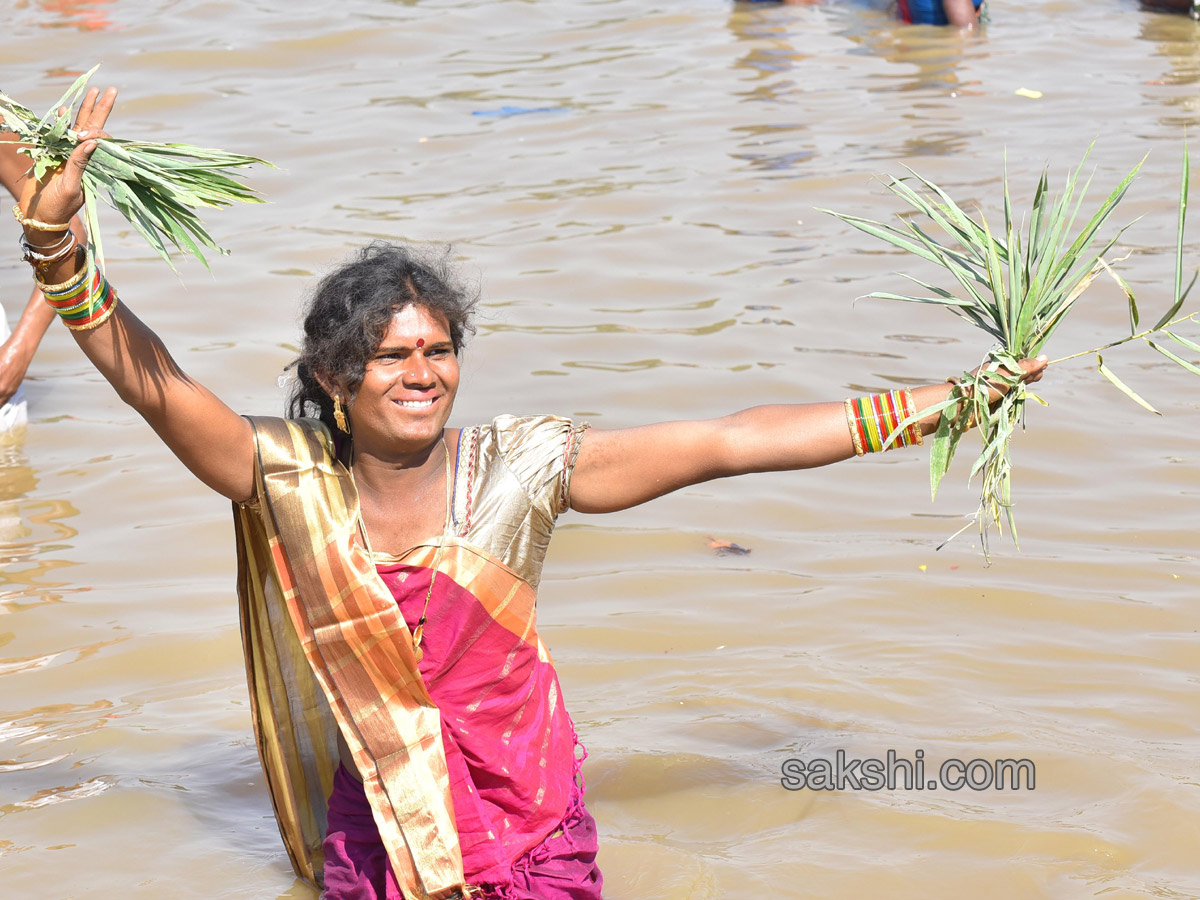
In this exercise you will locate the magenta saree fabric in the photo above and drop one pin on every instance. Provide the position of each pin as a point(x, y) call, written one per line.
point(562, 867)
point(510, 745)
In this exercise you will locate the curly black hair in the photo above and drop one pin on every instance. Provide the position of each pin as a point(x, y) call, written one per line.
point(348, 314)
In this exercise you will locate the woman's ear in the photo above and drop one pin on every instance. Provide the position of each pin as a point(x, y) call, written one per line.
point(329, 386)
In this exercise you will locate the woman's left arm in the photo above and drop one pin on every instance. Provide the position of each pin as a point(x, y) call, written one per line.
point(622, 468)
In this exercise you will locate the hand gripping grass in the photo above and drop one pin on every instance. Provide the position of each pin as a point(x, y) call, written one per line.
point(156, 187)
point(1017, 285)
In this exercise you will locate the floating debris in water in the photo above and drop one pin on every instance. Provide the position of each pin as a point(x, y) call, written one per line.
point(727, 548)
point(506, 111)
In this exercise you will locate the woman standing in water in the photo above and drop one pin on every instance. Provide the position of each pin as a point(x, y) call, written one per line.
point(408, 716)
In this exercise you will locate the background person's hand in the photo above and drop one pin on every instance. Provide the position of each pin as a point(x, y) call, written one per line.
point(11, 373)
point(16, 351)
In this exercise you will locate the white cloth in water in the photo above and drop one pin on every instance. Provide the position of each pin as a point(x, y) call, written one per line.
point(14, 413)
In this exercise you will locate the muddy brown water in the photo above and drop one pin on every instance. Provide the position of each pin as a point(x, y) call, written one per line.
point(634, 187)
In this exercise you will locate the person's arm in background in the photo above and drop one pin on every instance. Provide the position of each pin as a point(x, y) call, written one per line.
point(961, 13)
point(16, 353)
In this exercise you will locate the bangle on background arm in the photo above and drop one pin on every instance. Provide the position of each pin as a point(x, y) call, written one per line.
point(83, 301)
point(873, 419)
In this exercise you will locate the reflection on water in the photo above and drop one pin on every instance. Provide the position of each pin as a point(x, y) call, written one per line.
point(793, 75)
point(86, 15)
point(30, 529)
point(1177, 38)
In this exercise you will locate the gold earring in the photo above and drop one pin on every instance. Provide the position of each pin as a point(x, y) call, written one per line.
point(339, 416)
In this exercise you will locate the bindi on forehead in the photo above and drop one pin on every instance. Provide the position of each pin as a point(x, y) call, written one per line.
point(420, 343)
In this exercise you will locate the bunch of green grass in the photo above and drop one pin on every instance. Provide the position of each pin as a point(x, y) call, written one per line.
point(1018, 286)
point(156, 187)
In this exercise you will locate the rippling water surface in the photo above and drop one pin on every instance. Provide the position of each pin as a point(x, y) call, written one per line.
point(634, 187)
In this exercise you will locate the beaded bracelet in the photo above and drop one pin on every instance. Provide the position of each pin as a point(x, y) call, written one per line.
point(873, 419)
point(37, 224)
point(82, 302)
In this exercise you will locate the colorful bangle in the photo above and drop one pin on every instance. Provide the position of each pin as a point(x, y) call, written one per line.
point(37, 224)
point(873, 420)
point(82, 302)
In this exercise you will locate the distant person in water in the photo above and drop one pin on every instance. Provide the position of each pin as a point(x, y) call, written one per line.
point(1187, 7)
point(961, 13)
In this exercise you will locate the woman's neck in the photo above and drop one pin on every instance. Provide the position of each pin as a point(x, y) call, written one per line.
point(394, 471)
point(404, 500)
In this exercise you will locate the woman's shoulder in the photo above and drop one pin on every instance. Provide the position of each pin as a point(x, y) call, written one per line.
point(292, 436)
point(539, 450)
point(514, 436)
point(509, 424)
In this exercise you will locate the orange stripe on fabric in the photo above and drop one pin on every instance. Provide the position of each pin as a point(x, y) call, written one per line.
point(397, 745)
point(507, 598)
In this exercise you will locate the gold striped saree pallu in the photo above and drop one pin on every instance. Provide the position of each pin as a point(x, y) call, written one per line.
point(325, 644)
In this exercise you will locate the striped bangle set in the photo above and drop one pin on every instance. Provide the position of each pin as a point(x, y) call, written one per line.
point(873, 419)
point(84, 301)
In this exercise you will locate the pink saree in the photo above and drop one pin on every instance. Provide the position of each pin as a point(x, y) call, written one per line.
point(471, 782)
point(509, 743)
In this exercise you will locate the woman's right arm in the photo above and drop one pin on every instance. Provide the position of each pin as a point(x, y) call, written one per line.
point(213, 441)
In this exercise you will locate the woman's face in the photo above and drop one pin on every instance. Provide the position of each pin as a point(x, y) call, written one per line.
point(408, 389)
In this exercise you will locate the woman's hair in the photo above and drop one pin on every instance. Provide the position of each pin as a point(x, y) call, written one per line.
point(347, 316)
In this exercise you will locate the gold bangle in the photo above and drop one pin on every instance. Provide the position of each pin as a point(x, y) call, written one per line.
point(37, 224)
point(65, 286)
point(851, 423)
point(912, 411)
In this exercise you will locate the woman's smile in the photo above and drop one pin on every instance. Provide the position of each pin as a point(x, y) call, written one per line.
point(415, 404)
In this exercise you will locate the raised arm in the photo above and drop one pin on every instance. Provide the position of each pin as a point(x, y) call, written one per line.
point(622, 468)
point(208, 437)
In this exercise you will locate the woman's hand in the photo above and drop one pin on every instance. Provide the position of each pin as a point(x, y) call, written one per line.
point(60, 193)
point(1031, 371)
